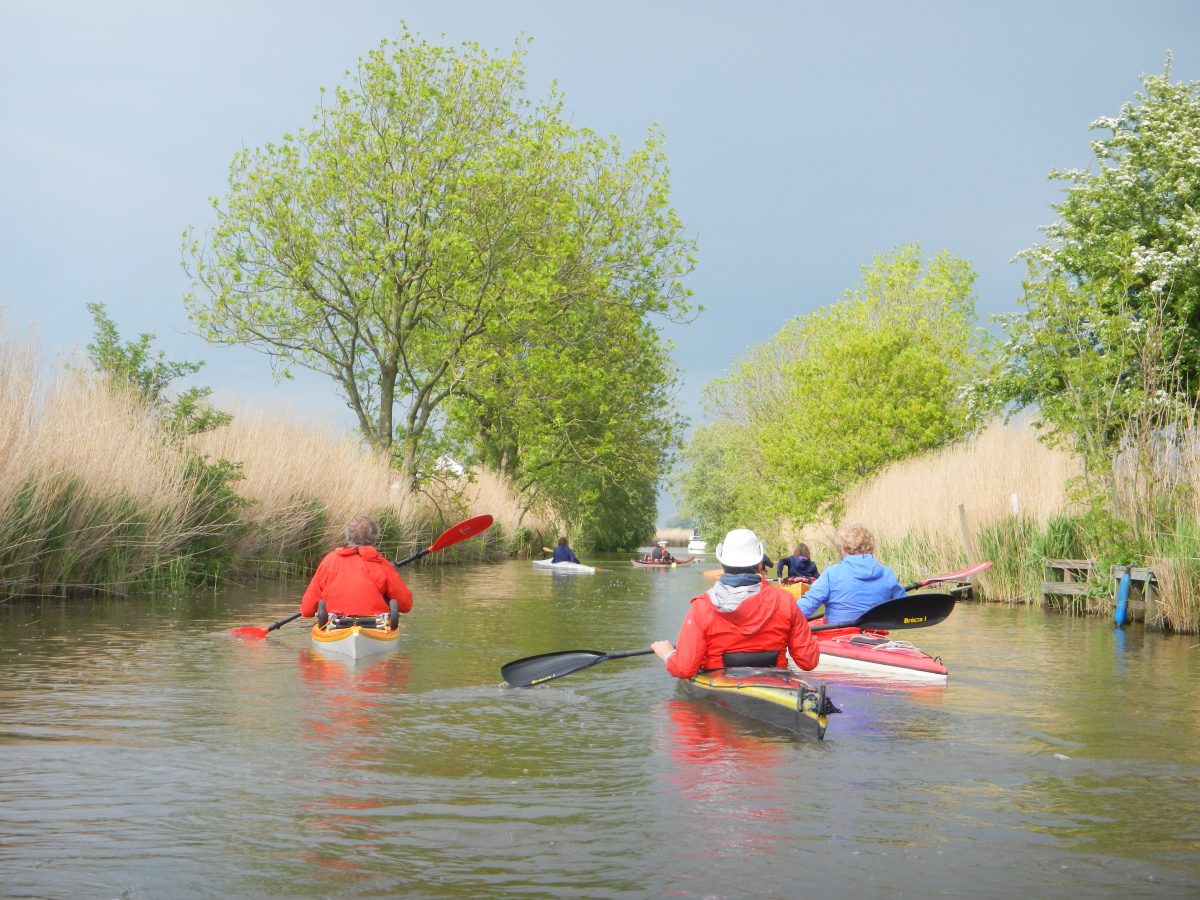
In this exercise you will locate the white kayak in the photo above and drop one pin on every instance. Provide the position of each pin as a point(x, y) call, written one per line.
point(567, 568)
point(356, 641)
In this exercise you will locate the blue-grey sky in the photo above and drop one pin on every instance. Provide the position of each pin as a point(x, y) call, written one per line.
point(803, 138)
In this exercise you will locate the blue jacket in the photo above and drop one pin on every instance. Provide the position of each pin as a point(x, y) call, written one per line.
point(797, 566)
point(850, 588)
point(564, 554)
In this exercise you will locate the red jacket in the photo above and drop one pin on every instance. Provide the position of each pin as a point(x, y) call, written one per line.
point(355, 581)
point(768, 620)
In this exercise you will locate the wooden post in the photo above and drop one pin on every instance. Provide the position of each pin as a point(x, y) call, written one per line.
point(966, 535)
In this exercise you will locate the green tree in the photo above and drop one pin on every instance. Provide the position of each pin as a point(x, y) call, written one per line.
point(580, 421)
point(150, 374)
point(428, 228)
point(838, 394)
point(1108, 344)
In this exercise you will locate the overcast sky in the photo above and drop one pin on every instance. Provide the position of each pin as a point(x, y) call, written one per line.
point(803, 139)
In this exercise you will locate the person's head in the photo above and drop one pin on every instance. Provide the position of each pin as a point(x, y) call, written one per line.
point(854, 539)
point(801, 551)
point(662, 543)
point(741, 551)
point(562, 542)
point(362, 532)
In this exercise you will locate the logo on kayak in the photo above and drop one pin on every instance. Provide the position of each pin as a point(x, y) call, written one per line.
point(908, 620)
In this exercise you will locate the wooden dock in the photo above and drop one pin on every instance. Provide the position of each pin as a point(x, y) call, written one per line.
point(1067, 584)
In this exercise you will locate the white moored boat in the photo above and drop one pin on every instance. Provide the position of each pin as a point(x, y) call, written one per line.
point(697, 543)
point(567, 568)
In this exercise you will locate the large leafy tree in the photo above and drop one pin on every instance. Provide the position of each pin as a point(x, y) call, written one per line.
point(420, 241)
point(838, 394)
point(1108, 344)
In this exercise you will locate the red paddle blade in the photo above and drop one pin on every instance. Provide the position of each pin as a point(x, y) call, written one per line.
point(960, 576)
point(461, 532)
point(249, 631)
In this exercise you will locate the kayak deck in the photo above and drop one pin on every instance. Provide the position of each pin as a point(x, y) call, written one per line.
point(356, 641)
point(861, 650)
point(776, 696)
point(568, 568)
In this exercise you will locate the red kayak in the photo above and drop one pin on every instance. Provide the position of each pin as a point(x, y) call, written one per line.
point(651, 564)
point(853, 649)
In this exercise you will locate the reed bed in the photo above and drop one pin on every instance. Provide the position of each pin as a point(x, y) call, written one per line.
point(677, 537)
point(96, 497)
point(91, 497)
point(304, 481)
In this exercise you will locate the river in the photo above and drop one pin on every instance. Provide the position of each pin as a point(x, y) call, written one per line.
point(146, 753)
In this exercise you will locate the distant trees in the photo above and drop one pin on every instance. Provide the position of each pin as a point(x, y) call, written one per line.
point(469, 268)
point(836, 395)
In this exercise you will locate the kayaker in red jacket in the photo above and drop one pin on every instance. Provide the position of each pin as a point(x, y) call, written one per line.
point(741, 614)
point(356, 580)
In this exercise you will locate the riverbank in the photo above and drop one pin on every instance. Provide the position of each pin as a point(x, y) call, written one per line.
point(96, 497)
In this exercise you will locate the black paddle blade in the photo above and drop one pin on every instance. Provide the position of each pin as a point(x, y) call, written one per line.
point(535, 669)
point(913, 611)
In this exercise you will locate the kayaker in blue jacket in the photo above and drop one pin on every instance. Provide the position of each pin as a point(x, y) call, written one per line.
point(799, 565)
point(853, 586)
point(563, 552)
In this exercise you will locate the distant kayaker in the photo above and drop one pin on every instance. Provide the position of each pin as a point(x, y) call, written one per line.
point(856, 584)
point(563, 552)
point(356, 579)
point(742, 620)
point(799, 565)
point(661, 554)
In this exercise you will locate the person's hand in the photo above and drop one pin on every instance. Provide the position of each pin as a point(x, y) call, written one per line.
point(662, 649)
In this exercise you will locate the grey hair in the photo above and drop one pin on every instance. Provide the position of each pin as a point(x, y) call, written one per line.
point(855, 539)
point(362, 532)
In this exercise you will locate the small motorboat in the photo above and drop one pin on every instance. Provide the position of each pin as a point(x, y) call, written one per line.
point(776, 696)
point(696, 544)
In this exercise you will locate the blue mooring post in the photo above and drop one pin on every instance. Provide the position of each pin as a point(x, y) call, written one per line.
point(1121, 616)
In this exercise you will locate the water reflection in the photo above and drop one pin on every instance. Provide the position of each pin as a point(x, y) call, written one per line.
point(149, 758)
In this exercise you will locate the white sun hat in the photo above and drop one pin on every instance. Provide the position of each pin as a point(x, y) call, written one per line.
point(740, 549)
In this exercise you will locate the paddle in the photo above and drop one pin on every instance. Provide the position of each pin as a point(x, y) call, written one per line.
point(952, 576)
point(916, 611)
point(448, 538)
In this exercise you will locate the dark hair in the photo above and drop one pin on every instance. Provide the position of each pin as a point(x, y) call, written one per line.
point(562, 542)
point(802, 550)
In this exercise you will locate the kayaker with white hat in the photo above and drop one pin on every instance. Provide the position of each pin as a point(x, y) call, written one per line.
point(742, 620)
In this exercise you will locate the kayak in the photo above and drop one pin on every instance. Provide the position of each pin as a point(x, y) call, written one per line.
point(356, 641)
point(796, 590)
point(651, 564)
point(853, 649)
point(568, 568)
point(778, 697)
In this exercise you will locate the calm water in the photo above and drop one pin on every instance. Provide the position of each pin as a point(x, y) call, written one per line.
point(146, 754)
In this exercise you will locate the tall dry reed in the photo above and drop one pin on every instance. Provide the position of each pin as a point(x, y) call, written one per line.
point(91, 496)
point(304, 481)
point(999, 475)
